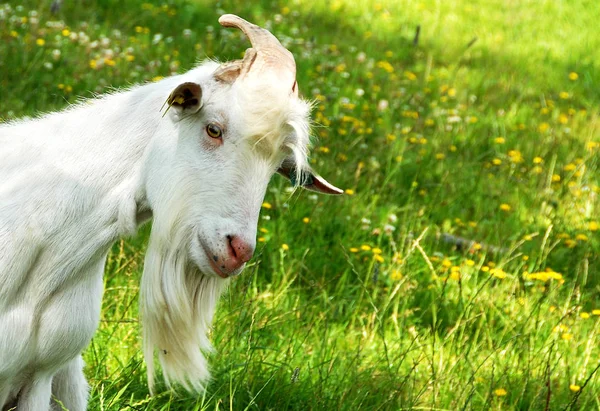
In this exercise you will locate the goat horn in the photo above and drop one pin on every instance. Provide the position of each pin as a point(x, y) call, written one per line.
point(266, 54)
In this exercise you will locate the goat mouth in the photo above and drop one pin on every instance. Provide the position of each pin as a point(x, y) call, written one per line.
point(211, 262)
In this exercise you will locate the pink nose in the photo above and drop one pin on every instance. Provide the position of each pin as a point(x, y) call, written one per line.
point(240, 252)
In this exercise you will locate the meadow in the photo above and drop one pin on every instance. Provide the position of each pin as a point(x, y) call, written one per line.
point(461, 269)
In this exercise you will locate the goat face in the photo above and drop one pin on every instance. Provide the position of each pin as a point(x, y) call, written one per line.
point(228, 129)
point(234, 129)
point(230, 140)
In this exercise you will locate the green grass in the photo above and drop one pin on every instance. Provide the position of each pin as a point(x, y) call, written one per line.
point(487, 136)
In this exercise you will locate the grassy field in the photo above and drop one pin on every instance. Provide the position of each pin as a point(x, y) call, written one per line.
point(462, 268)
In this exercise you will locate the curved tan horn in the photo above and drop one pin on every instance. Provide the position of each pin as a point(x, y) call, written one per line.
point(266, 54)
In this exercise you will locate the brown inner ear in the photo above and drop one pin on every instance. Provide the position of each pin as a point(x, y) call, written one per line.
point(186, 96)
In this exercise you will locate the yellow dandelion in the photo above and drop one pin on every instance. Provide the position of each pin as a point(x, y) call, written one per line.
point(378, 258)
point(505, 207)
point(496, 161)
point(500, 392)
point(376, 250)
point(365, 247)
point(93, 64)
point(574, 387)
point(570, 167)
point(543, 127)
point(593, 226)
point(40, 42)
point(261, 239)
point(499, 140)
point(266, 205)
point(567, 336)
point(354, 250)
point(396, 275)
point(538, 160)
point(564, 95)
point(386, 66)
point(555, 178)
point(285, 247)
point(263, 230)
point(498, 273)
point(306, 220)
point(340, 68)
point(596, 312)
point(515, 156)
point(446, 263)
point(563, 119)
point(581, 237)
point(454, 275)
point(573, 76)
point(349, 191)
point(570, 243)
point(440, 156)
point(584, 315)
point(560, 328)
point(410, 75)
point(469, 263)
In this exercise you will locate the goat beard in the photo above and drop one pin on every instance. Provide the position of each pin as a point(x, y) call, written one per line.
point(177, 304)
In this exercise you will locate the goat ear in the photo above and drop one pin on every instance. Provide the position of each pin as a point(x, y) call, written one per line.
point(309, 180)
point(187, 97)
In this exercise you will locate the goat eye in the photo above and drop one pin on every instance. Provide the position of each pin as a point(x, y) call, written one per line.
point(214, 131)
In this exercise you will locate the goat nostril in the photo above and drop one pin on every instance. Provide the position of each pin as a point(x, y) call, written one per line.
point(231, 246)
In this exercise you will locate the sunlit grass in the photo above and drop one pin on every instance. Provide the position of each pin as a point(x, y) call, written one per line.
point(459, 271)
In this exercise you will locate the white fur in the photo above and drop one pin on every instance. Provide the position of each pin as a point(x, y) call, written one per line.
point(73, 182)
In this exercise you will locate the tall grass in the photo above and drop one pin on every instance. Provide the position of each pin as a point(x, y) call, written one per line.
point(460, 270)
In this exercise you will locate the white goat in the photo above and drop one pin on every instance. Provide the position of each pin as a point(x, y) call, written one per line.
point(73, 182)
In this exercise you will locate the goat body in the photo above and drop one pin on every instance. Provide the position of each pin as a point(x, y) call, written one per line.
point(73, 182)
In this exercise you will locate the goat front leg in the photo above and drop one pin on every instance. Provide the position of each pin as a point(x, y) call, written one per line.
point(35, 395)
point(70, 388)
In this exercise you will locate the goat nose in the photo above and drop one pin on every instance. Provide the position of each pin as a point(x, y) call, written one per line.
point(240, 252)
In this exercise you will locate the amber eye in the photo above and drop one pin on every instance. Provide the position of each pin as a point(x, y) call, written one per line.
point(214, 131)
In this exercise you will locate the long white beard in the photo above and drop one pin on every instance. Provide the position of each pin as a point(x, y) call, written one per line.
point(177, 303)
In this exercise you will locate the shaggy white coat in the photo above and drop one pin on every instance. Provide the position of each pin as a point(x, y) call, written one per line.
point(73, 182)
